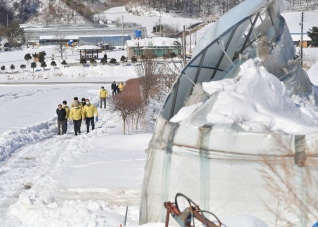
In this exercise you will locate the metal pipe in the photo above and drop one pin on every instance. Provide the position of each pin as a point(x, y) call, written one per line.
point(126, 215)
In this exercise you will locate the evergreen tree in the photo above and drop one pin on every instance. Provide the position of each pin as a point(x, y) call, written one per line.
point(3, 68)
point(43, 65)
point(123, 59)
point(173, 55)
point(42, 56)
point(12, 67)
point(83, 61)
point(27, 57)
point(93, 61)
point(113, 61)
point(103, 61)
point(313, 34)
point(53, 63)
point(133, 59)
point(64, 63)
point(22, 67)
point(33, 66)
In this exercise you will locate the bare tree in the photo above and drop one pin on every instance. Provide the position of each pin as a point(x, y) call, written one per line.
point(128, 103)
point(61, 45)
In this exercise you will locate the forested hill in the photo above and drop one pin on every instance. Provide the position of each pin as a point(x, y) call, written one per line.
point(206, 8)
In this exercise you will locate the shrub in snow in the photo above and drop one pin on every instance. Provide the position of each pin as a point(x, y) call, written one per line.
point(3, 68)
point(165, 56)
point(133, 59)
point(33, 65)
point(93, 61)
point(143, 57)
point(64, 63)
point(154, 56)
point(22, 67)
point(27, 57)
point(113, 61)
point(103, 61)
point(43, 65)
point(53, 64)
point(83, 61)
point(123, 59)
point(12, 67)
point(40, 56)
point(173, 55)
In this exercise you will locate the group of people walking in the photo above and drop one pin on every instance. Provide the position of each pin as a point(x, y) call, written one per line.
point(82, 111)
point(117, 88)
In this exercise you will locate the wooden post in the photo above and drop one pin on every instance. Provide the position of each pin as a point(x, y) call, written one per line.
point(85, 54)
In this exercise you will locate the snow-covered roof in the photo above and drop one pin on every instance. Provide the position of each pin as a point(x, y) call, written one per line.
point(298, 37)
point(154, 41)
point(293, 21)
point(88, 47)
point(57, 37)
point(76, 36)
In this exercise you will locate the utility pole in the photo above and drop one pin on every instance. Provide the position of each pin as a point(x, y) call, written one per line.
point(301, 37)
point(122, 18)
point(190, 40)
point(7, 20)
point(160, 24)
point(184, 46)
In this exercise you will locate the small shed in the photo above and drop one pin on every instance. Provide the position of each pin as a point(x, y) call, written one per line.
point(158, 46)
point(89, 51)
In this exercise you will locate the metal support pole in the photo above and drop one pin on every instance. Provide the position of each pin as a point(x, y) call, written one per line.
point(301, 39)
point(160, 24)
point(225, 53)
point(7, 20)
point(126, 215)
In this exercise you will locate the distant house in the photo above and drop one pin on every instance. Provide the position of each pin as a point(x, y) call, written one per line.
point(293, 21)
point(158, 46)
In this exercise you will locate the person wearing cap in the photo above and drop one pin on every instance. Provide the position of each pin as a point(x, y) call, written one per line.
point(76, 115)
point(83, 102)
point(61, 114)
point(67, 109)
point(89, 111)
point(103, 94)
point(79, 104)
point(114, 88)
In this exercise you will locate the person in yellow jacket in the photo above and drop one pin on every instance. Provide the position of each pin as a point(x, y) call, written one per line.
point(76, 115)
point(121, 87)
point(67, 109)
point(89, 111)
point(103, 94)
point(80, 105)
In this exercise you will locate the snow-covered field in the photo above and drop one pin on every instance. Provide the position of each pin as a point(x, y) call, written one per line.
point(73, 71)
point(86, 180)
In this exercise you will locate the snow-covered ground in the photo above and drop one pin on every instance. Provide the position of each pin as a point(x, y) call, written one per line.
point(86, 180)
point(73, 71)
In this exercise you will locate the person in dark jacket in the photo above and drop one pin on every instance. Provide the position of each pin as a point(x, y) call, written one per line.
point(61, 115)
point(114, 88)
point(83, 102)
point(117, 89)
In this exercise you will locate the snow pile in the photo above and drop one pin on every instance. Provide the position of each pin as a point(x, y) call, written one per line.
point(258, 101)
point(185, 112)
point(34, 210)
point(10, 141)
point(243, 220)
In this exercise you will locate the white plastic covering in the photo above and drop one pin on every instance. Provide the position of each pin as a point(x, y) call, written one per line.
point(220, 166)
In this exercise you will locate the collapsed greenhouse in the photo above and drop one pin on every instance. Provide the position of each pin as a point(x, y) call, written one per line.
point(239, 129)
